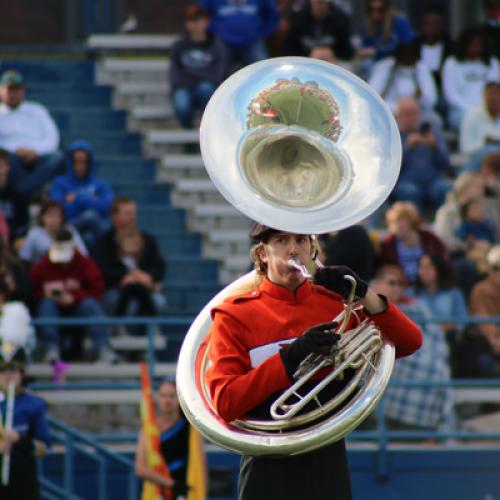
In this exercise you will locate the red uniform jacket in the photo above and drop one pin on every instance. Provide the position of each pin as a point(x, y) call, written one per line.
point(249, 330)
point(80, 277)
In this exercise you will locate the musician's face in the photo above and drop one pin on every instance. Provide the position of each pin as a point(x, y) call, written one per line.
point(167, 398)
point(280, 248)
point(10, 375)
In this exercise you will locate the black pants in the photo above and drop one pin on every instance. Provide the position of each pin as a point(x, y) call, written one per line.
point(138, 293)
point(318, 475)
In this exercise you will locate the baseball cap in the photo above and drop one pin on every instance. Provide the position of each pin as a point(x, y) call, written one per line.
point(193, 12)
point(63, 248)
point(11, 77)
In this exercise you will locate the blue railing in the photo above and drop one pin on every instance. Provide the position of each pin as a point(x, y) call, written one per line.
point(75, 443)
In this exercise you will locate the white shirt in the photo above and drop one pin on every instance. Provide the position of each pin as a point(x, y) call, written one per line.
point(463, 81)
point(28, 126)
point(476, 126)
point(406, 81)
point(431, 56)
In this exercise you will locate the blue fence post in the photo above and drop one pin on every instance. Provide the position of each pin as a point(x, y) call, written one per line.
point(382, 468)
point(69, 463)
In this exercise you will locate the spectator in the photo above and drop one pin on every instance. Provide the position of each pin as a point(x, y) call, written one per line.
point(466, 73)
point(403, 76)
point(13, 275)
point(350, 247)
point(67, 283)
point(435, 289)
point(29, 437)
point(319, 23)
point(243, 26)
point(425, 159)
point(323, 54)
point(40, 238)
point(138, 293)
point(382, 31)
point(198, 64)
point(151, 265)
point(85, 198)
point(480, 129)
point(422, 408)
point(407, 240)
point(484, 360)
point(490, 173)
point(276, 42)
point(433, 44)
point(29, 134)
point(13, 204)
point(491, 26)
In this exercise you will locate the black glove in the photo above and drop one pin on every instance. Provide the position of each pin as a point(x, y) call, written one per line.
point(332, 277)
point(317, 339)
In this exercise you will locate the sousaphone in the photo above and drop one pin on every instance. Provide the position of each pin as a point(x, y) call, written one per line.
point(307, 147)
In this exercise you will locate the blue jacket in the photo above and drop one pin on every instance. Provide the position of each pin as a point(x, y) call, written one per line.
point(241, 23)
point(91, 193)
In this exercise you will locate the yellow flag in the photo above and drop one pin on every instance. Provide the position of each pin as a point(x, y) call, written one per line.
point(196, 469)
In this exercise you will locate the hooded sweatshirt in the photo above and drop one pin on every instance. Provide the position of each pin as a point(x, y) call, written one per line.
point(91, 193)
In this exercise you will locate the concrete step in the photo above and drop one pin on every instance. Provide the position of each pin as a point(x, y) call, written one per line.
point(91, 396)
point(130, 343)
point(131, 41)
point(91, 371)
point(153, 94)
point(114, 70)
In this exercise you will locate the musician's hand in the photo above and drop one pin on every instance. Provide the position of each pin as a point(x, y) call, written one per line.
point(319, 339)
point(332, 277)
point(8, 439)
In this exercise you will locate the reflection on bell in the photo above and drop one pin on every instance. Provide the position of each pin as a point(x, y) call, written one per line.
point(292, 167)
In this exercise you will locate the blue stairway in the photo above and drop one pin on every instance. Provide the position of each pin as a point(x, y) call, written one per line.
point(83, 110)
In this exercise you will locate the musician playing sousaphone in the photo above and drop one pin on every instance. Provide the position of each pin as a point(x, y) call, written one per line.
point(259, 339)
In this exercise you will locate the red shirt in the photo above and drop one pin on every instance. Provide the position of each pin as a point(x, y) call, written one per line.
point(249, 330)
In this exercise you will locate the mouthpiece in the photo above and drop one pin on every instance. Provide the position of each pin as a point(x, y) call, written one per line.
point(300, 267)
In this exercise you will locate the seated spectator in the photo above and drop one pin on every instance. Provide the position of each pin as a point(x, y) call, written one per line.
point(40, 238)
point(480, 129)
point(350, 247)
point(276, 42)
point(29, 134)
point(403, 76)
point(319, 23)
point(13, 276)
point(425, 159)
point(465, 74)
point(13, 205)
point(435, 289)
point(433, 44)
point(137, 290)
point(484, 359)
point(198, 64)
point(243, 27)
point(85, 198)
point(490, 173)
point(422, 408)
point(150, 263)
point(383, 29)
point(67, 283)
point(477, 231)
point(407, 241)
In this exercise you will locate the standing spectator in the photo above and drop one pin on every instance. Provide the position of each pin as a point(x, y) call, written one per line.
point(382, 31)
point(29, 134)
point(198, 64)
point(243, 26)
point(485, 360)
point(407, 240)
point(67, 283)
point(425, 159)
point(433, 44)
point(423, 408)
point(29, 437)
point(466, 73)
point(480, 129)
point(319, 23)
point(150, 263)
point(85, 198)
point(13, 204)
point(402, 76)
point(40, 238)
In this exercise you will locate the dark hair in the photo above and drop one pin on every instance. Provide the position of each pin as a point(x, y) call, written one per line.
point(193, 11)
point(491, 162)
point(444, 276)
point(49, 205)
point(464, 41)
point(4, 155)
point(434, 9)
point(406, 53)
point(63, 236)
point(118, 201)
